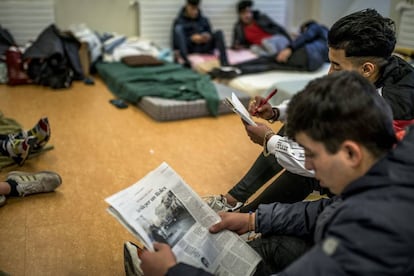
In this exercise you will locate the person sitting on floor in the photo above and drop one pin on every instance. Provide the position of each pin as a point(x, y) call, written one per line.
point(192, 33)
point(392, 76)
point(366, 228)
point(255, 30)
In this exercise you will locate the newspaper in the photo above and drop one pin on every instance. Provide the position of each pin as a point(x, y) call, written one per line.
point(162, 207)
point(235, 104)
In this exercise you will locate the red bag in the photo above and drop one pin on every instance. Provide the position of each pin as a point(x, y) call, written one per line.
point(15, 67)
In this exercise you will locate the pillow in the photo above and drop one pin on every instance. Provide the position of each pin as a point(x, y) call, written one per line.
point(141, 60)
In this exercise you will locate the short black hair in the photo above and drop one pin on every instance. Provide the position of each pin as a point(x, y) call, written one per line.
point(364, 33)
point(242, 5)
point(342, 106)
point(193, 2)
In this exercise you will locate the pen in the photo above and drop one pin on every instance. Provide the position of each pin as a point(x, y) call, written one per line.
point(263, 102)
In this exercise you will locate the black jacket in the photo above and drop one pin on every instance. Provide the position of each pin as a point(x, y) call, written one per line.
point(191, 26)
point(367, 230)
point(396, 85)
point(52, 43)
point(264, 22)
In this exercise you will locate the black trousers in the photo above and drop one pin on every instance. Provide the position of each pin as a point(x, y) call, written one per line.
point(286, 188)
point(278, 252)
point(186, 46)
point(298, 61)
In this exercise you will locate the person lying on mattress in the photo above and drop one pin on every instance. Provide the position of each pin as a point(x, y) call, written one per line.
point(307, 52)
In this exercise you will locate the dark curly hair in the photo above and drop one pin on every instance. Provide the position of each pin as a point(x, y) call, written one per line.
point(364, 33)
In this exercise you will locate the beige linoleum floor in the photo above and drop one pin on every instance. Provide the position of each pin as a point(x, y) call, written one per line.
point(100, 150)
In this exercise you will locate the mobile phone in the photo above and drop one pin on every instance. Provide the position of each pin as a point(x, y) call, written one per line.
point(119, 103)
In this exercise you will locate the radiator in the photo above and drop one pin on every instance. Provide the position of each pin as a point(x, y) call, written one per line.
point(26, 19)
point(406, 27)
point(156, 16)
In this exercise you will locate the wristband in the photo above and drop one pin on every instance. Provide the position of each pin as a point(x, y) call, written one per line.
point(275, 115)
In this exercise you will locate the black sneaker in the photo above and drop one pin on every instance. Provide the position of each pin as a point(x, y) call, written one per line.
point(214, 73)
point(229, 72)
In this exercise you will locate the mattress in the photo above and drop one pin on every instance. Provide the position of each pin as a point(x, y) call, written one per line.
point(169, 110)
point(258, 84)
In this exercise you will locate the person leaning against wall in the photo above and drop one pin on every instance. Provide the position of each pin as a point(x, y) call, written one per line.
point(192, 33)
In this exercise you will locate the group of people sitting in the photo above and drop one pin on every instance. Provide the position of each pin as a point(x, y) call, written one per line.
point(275, 48)
point(350, 132)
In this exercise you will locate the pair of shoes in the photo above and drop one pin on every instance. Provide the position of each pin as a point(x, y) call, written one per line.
point(17, 148)
point(219, 204)
point(3, 201)
point(225, 72)
point(131, 260)
point(33, 183)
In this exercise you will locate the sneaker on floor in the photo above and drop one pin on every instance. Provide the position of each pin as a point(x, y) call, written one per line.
point(224, 72)
point(229, 72)
point(33, 183)
point(2, 200)
point(219, 203)
point(132, 262)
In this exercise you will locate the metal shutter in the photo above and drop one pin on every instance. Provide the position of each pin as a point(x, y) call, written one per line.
point(406, 27)
point(25, 20)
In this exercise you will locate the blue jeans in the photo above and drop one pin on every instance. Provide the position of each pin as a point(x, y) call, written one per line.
point(186, 46)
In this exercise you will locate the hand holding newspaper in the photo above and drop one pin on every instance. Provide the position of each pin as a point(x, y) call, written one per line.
point(235, 104)
point(162, 207)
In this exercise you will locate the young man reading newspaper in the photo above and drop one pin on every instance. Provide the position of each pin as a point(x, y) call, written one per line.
point(366, 228)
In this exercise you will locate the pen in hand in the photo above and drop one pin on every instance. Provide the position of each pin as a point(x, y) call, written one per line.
point(263, 102)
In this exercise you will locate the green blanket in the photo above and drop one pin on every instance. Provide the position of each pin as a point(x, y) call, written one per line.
point(170, 81)
point(9, 126)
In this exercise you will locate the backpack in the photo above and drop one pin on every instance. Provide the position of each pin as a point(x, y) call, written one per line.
point(16, 72)
point(53, 72)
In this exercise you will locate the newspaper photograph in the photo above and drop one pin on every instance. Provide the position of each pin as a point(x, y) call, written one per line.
point(162, 207)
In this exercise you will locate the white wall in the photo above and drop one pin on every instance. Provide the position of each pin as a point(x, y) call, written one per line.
point(121, 17)
point(328, 11)
point(100, 15)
